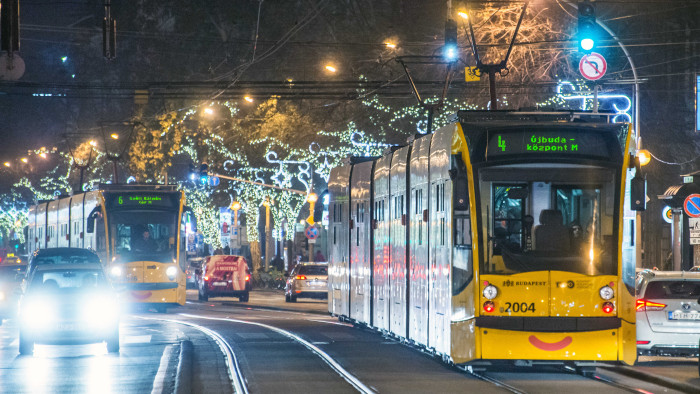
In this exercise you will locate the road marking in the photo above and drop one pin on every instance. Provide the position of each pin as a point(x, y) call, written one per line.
point(136, 339)
point(159, 381)
point(350, 378)
point(234, 371)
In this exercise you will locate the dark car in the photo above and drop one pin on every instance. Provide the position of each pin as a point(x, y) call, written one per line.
point(11, 276)
point(192, 266)
point(68, 304)
point(60, 256)
point(224, 276)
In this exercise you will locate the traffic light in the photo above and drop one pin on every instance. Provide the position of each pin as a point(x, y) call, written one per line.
point(450, 50)
point(203, 174)
point(586, 26)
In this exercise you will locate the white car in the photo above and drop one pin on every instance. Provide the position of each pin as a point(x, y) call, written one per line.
point(68, 304)
point(668, 313)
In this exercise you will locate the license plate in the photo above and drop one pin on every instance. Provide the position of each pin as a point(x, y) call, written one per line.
point(220, 283)
point(677, 315)
point(65, 327)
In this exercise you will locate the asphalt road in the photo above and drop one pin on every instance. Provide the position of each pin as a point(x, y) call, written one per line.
point(278, 347)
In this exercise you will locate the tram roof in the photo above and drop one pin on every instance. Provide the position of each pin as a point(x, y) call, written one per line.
point(508, 117)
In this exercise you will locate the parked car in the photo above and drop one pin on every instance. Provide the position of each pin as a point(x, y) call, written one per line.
point(695, 269)
point(668, 313)
point(11, 276)
point(223, 276)
point(60, 256)
point(192, 266)
point(68, 304)
point(308, 280)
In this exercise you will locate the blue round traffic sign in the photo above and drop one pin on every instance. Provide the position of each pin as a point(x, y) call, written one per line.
point(214, 181)
point(691, 206)
point(311, 232)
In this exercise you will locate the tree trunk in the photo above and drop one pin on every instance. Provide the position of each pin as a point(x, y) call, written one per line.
point(255, 255)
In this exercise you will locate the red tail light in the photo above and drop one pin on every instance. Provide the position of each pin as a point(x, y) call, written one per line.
point(247, 278)
point(643, 342)
point(644, 305)
point(489, 306)
point(608, 307)
point(301, 277)
point(206, 278)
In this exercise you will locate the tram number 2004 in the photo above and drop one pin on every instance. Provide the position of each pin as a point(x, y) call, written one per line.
point(519, 307)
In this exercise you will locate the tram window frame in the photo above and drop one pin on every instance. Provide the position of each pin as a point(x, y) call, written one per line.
point(508, 237)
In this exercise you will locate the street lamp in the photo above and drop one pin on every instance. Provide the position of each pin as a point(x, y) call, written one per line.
point(330, 68)
point(268, 233)
point(93, 143)
point(114, 136)
point(209, 111)
point(463, 14)
point(7, 164)
point(311, 198)
point(235, 206)
point(24, 160)
point(644, 157)
point(390, 45)
point(248, 99)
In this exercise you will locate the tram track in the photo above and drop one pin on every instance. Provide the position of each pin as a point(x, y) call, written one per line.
point(234, 370)
point(330, 361)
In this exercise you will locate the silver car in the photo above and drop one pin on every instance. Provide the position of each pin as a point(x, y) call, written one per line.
point(668, 313)
point(307, 280)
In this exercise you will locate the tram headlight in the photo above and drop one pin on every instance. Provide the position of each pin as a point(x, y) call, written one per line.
point(490, 292)
point(171, 272)
point(606, 292)
point(116, 271)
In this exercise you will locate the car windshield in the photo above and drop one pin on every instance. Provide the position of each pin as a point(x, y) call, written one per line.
point(143, 235)
point(673, 289)
point(313, 270)
point(68, 280)
point(8, 273)
point(65, 256)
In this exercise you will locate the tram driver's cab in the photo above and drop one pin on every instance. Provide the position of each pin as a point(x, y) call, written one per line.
point(550, 224)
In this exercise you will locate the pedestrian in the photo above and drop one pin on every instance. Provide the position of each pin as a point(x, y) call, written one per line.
point(319, 257)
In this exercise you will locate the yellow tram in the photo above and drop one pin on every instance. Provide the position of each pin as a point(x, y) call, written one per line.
point(139, 232)
point(502, 237)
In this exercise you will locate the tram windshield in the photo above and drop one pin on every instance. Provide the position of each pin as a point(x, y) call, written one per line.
point(143, 235)
point(547, 217)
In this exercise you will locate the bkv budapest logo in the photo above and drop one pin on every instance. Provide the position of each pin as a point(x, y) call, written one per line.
point(508, 283)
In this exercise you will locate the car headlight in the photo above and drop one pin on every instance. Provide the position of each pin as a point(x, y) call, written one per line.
point(116, 271)
point(606, 292)
point(490, 292)
point(171, 272)
point(37, 313)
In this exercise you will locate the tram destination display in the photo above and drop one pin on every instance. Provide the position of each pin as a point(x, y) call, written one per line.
point(142, 200)
point(547, 142)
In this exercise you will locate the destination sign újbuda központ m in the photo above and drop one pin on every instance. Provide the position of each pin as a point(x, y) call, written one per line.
point(547, 142)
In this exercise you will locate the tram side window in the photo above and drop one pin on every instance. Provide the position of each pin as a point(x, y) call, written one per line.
point(507, 218)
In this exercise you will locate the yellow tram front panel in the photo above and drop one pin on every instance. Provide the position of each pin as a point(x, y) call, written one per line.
point(147, 282)
point(523, 345)
point(578, 295)
point(525, 294)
